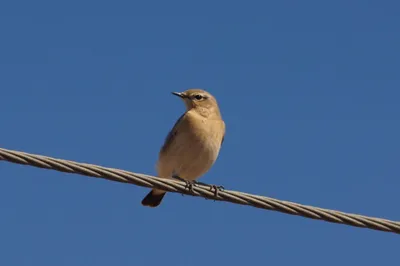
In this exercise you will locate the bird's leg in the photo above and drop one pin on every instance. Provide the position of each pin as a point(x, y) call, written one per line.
point(189, 184)
point(215, 187)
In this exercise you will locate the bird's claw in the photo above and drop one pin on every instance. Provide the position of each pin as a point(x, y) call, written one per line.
point(189, 185)
point(216, 189)
point(193, 183)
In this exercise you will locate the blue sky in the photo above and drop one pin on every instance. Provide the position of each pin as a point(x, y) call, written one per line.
point(309, 91)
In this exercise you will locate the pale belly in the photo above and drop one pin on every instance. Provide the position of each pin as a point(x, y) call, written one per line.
point(189, 157)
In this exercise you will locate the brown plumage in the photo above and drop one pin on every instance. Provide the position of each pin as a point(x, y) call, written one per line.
point(193, 144)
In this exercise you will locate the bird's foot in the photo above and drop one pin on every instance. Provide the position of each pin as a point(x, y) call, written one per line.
point(192, 183)
point(216, 189)
point(212, 187)
point(189, 184)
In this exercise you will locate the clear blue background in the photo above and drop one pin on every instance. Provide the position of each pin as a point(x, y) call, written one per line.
point(309, 91)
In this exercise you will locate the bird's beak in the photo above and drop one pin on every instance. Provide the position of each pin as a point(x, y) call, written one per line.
point(179, 94)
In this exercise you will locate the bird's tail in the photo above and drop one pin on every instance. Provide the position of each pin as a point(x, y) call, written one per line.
point(154, 198)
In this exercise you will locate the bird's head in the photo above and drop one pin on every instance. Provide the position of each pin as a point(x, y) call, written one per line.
point(199, 100)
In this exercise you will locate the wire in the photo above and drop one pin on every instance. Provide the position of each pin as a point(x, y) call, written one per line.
point(200, 191)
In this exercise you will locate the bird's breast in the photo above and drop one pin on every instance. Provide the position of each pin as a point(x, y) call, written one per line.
point(193, 150)
point(199, 145)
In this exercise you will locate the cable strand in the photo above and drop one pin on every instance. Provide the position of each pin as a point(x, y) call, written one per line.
point(177, 186)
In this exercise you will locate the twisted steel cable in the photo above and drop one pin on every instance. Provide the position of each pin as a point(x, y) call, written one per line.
point(201, 191)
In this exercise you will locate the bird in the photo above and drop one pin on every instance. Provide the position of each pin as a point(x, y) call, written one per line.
point(193, 144)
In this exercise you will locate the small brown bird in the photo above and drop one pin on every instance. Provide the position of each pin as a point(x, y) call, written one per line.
point(193, 144)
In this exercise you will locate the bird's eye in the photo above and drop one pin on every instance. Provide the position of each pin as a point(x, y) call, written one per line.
point(198, 97)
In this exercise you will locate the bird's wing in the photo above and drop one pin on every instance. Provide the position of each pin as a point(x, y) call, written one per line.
point(171, 135)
